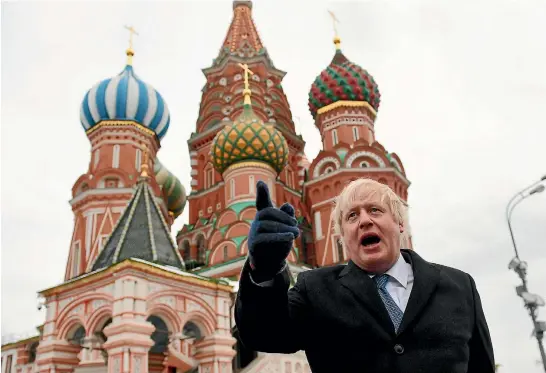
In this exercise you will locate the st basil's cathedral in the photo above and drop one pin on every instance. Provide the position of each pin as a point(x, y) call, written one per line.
point(135, 300)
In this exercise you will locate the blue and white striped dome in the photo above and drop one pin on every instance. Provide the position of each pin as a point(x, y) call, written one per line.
point(125, 97)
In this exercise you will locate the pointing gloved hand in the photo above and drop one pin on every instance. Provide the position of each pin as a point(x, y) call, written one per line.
point(271, 235)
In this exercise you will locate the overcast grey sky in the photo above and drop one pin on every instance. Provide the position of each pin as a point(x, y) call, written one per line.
point(463, 89)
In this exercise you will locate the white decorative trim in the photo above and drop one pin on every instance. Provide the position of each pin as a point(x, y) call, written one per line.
point(325, 202)
point(349, 119)
point(316, 171)
point(115, 156)
point(194, 172)
point(205, 191)
point(318, 225)
point(364, 153)
point(194, 162)
point(138, 159)
point(359, 170)
point(193, 153)
point(92, 211)
point(97, 157)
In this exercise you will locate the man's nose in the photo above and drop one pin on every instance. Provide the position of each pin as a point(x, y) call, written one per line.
point(365, 220)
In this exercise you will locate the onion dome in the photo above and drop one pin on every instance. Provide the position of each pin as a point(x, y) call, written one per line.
point(342, 80)
point(173, 190)
point(125, 97)
point(247, 139)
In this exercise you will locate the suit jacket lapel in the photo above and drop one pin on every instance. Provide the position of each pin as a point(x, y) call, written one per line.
point(365, 291)
point(425, 280)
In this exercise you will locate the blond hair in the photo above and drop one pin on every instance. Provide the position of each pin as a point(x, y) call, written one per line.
point(366, 188)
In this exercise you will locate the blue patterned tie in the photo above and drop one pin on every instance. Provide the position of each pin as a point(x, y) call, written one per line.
point(394, 311)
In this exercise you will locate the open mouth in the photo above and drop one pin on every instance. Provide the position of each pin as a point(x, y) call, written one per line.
point(370, 239)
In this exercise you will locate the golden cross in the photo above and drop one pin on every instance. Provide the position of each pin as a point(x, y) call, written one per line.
point(131, 32)
point(335, 21)
point(247, 71)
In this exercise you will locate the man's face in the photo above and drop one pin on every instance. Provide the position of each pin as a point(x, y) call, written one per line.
point(370, 233)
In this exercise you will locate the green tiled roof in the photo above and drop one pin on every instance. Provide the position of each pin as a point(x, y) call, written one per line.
point(240, 206)
point(238, 240)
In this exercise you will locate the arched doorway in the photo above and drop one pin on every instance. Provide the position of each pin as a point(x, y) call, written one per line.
point(160, 336)
point(76, 338)
point(201, 251)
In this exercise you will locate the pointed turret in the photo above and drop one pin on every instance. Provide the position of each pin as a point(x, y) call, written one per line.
point(141, 232)
point(242, 37)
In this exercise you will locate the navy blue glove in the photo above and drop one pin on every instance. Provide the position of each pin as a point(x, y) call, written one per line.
point(271, 235)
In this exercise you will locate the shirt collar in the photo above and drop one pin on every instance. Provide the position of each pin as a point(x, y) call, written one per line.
point(399, 271)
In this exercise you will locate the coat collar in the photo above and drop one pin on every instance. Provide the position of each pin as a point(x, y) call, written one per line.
point(426, 278)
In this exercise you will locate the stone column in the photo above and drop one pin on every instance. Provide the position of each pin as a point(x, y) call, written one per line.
point(129, 333)
point(214, 353)
point(92, 353)
point(57, 356)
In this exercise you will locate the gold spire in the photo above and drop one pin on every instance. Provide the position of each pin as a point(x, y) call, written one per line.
point(130, 52)
point(337, 40)
point(246, 92)
point(144, 168)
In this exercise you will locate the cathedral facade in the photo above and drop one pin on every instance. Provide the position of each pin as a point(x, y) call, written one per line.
point(134, 299)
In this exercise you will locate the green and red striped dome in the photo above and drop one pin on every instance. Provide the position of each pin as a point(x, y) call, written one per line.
point(343, 80)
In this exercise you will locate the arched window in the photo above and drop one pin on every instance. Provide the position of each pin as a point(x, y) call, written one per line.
point(160, 336)
point(191, 330)
point(209, 176)
point(225, 252)
point(251, 185)
point(356, 135)
point(97, 157)
point(334, 137)
point(115, 156)
point(76, 259)
point(201, 251)
point(32, 352)
point(232, 188)
point(186, 250)
point(77, 337)
point(138, 159)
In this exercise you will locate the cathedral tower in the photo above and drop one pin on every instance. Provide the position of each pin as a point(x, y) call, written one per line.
point(343, 101)
point(222, 106)
point(122, 116)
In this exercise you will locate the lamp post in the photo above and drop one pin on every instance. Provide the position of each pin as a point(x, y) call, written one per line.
point(532, 301)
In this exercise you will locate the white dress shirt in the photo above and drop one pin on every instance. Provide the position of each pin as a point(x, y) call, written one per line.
point(399, 285)
point(400, 282)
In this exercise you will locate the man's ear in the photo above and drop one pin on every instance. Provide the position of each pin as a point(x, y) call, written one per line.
point(401, 227)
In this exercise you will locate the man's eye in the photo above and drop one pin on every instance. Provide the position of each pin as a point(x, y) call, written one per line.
point(375, 210)
point(351, 215)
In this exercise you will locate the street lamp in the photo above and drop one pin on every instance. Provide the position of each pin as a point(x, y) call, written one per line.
point(531, 301)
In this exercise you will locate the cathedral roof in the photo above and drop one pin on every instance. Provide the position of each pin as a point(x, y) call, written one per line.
point(141, 232)
point(242, 31)
point(242, 40)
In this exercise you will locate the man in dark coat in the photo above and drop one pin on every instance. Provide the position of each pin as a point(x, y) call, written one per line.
point(387, 310)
